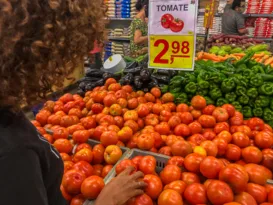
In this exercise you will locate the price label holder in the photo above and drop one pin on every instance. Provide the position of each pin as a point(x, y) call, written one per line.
point(173, 52)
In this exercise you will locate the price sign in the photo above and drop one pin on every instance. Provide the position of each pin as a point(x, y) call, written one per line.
point(172, 52)
point(172, 25)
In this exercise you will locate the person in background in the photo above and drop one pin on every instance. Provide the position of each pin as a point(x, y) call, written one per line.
point(41, 42)
point(233, 21)
point(139, 29)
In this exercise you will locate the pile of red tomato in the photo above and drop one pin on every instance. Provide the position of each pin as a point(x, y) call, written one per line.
point(213, 148)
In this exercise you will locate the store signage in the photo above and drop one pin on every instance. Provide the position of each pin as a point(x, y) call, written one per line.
point(172, 34)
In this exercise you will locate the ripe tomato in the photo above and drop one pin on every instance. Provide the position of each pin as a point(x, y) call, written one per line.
point(210, 167)
point(258, 174)
point(67, 121)
point(112, 154)
point(42, 117)
point(170, 173)
point(77, 200)
point(166, 20)
point(176, 160)
point(66, 196)
point(149, 97)
point(136, 160)
point(207, 121)
point(196, 194)
point(130, 115)
point(219, 192)
point(267, 158)
point(163, 128)
point(252, 154)
point(235, 176)
point(60, 133)
point(190, 178)
point(98, 154)
point(178, 186)
point(165, 115)
point(65, 157)
point(109, 138)
point(210, 147)
point(147, 165)
point(124, 164)
point(221, 145)
point(143, 199)
point(195, 114)
point(208, 110)
point(176, 25)
point(91, 187)
point(154, 186)
point(97, 169)
point(255, 124)
point(48, 137)
point(145, 141)
point(197, 139)
point(233, 152)
point(68, 165)
point(72, 181)
point(167, 97)
point(63, 145)
point(81, 136)
point(121, 94)
point(84, 154)
point(220, 114)
point(240, 139)
point(156, 92)
point(182, 108)
point(245, 198)
point(125, 134)
point(170, 197)
point(263, 140)
point(109, 81)
point(198, 102)
point(166, 150)
point(195, 127)
point(88, 122)
point(106, 170)
point(182, 130)
point(221, 126)
point(84, 167)
point(186, 117)
point(230, 109)
point(257, 191)
point(225, 135)
point(174, 121)
point(192, 162)
point(181, 148)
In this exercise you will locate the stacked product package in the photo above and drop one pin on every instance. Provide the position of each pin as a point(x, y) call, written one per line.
point(259, 7)
point(121, 8)
point(263, 28)
point(119, 32)
point(112, 48)
point(217, 25)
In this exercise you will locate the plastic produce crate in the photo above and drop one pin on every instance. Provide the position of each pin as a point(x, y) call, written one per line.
point(161, 161)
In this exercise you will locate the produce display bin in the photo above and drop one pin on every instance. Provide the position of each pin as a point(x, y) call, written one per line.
point(161, 161)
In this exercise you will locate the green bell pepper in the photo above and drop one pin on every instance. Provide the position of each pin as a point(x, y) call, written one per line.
point(221, 101)
point(240, 80)
point(268, 114)
point(215, 93)
point(240, 90)
point(217, 77)
point(256, 81)
point(182, 98)
point(191, 88)
point(203, 84)
point(213, 85)
point(251, 64)
point(243, 99)
point(258, 69)
point(267, 77)
point(202, 92)
point(174, 89)
point(266, 89)
point(164, 89)
point(258, 112)
point(252, 92)
point(228, 85)
point(177, 81)
point(262, 101)
point(190, 78)
point(247, 111)
point(237, 105)
point(271, 104)
point(209, 100)
point(248, 73)
point(231, 97)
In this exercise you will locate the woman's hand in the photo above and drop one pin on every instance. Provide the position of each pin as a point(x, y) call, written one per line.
point(122, 188)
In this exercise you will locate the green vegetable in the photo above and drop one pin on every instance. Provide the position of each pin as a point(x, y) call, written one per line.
point(256, 81)
point(248, 73)
point(222, 53)
point(182, 98)
point(202, 92)
point(271, 104)
point(240, 90)
point(226, 48)
point(247, 111)
point(240, 80)
point(215, 93)
point(231, 97)
point(191, 88)
point(268, 114)
point(213, 85)
point(258, 112)
point(164, 89)
point(214, 50)
point(245, 59)
point(129, 59)
point(237, 105)
point(257, 48)
point(228, 85)
point(203, 84)
point(221, 101)
point(270, 123)
point(243, 99)
point(257, 69)
point(262, 101)
point(236, 50)
point(251, 63)
point(266, 89)
point(209, 100)
point(252, 92)
point(190, 77)
point(217, 77)
point(267, 77)
point(177, 80)
point(175, 89)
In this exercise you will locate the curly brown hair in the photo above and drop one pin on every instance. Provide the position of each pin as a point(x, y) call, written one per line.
point(41, 42)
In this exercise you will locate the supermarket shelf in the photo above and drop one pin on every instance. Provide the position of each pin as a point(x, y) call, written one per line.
point(259, 15)
point(112, 38)
point(216, 14)
point(120, 19)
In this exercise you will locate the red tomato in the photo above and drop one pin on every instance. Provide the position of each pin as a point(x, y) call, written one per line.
point(65, 157)
point(48, 137)
point(208, 110)
point(170, 173)
point(267, 158)
point(210, 167)
point(221, 145)
point(252, 154)
point(72, 181)
point(209, 135)
point(181, 148)
point(97, 170)
point(198, 102)
point(240, 139)
point(109, 138)
point(136, 160)
point(186, 118)
point(84, 154)
point(196, 194)
point(182, 108)
point(174, 121)
point(81, 136)
point(166, 20)
point(170, 197)
point(68, 166)
point(77, 200)
point(178, 186)
point(63, 145)
point(245, 199)
point(195, 127)
point(112, 154)
point(256, 124)
point(189, 178)
point(60, 133)
point(158, 140)
point(219, 192)
point(182, 130)
point(258, 174)
point(145, 141)
point(147, 165)
point(84, 167)
point(66, 196)
point(236, 176)
point(264, 139)
point(165, 150)
point(176, 160)
point(163, 128)
point(210, 147)
point(167, 97)
point(165, 115)
point(192, 162)
point(257, 191)
point(154, 186)
point(207, 121)
point(143, 199)
point(91, 187)
point(221, 126)
point(233, 152)
point(156, 92)
point(124, 164)
point(176, 25)
point(98, 152)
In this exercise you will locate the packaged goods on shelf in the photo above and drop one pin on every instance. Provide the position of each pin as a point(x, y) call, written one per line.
point(121, 8)
point(217, 25)
point(259, 7)
point(119, 32)
point(112, 48)
point(263, 28)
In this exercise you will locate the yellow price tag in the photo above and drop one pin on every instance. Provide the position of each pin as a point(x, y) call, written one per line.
point(175, 52)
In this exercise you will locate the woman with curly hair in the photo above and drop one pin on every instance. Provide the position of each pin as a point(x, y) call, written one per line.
point(41, 42)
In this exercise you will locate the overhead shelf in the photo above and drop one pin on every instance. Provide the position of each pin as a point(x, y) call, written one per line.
point(259, 15)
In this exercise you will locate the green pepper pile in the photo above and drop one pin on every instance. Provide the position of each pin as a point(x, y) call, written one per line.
point(245, 84)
